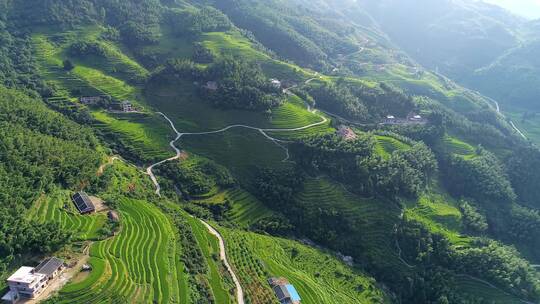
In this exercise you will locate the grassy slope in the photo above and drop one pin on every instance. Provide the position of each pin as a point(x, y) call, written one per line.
point(318, 277)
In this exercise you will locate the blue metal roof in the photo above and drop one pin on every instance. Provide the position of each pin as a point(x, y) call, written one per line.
point(292, 291)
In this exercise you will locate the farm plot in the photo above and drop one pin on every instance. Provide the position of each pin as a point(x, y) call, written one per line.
point(240, 150)
point(458, 147)
point(146, 135)
point(373, 222)
point(386, 145)
point(57, 208)
point(189, 113)
point(318, 277)
point(132, 270)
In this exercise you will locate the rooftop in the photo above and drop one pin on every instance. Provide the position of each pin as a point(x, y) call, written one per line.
point(24, 275)
point(83, 202)
point(49, 266)
point(292, 291)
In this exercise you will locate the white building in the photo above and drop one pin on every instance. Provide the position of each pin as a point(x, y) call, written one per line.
point(275, 83)
point(126, 106)
point(29, 282)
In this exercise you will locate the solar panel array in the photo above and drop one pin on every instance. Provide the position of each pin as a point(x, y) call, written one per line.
point(83, 202)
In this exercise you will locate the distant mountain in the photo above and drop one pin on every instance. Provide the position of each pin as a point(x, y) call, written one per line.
point(480, 45)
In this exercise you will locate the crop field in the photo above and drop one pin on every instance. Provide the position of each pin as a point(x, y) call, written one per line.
point(439, 216)
point(191, 114)
point(529, 125)
point(377, 233)
point(479, 290)
point(240, 150)
point(113, 62)
point(458, 147)
point(147, 134)
point(129, 266)
point(318, 277)
point(386, 145)
point(246, 209)
point(233, 43)
point(58, 208)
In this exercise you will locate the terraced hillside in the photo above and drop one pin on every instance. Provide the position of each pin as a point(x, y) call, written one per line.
point(58, 208)
point(318, 277)
point(373, 221)
point(132, 271)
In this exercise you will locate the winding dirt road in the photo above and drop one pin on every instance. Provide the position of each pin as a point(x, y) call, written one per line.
point(223, 257)
point(179, 135)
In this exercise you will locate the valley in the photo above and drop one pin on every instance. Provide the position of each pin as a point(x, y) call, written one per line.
point(240, 141)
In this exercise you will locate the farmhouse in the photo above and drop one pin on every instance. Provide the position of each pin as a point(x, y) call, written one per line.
point(83, 203)
point(285, 292)
point(29, 282)
point(415, 117)
point(275, 83)
point(90, 100)
point(390, 119)
point(126, 106)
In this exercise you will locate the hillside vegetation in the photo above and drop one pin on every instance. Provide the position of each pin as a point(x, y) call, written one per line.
point(303, 179)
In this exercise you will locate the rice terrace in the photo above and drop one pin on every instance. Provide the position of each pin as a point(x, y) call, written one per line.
point(265, 152)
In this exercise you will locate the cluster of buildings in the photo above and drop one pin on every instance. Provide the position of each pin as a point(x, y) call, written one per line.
point(124, 106)
point(30, 282)
point(285, 292)
point(412, 118)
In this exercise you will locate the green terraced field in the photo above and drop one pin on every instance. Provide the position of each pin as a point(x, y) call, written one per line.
point(377, 232)
point(458, 147)
point(113, 62)
point(439, 216)
point(240, 150)
point(233, 43)
point(318, 277)
point(246, 209)
point(58, 208)
point(479, 290)
point(149, 135)
point(190, 114)
point(386, 145)
point(131, 271)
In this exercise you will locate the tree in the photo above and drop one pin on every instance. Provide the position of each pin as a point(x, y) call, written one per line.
point(68, 65)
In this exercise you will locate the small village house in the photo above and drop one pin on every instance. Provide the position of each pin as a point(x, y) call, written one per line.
point(414, 117)
point(83, 203)
point(126, 106)
point(275, 83)
point(284, 291)
point(30, 282)
point(90, 100)
point(390, 119)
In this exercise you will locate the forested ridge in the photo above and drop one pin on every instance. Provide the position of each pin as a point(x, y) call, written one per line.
point(422, 207)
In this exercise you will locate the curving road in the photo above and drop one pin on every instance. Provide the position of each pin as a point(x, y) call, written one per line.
point(149, 171)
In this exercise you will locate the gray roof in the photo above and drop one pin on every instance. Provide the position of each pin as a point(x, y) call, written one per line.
point(281, 292)
point(49, 266)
